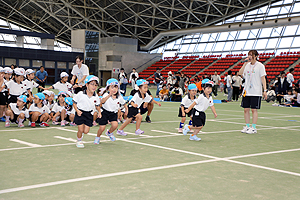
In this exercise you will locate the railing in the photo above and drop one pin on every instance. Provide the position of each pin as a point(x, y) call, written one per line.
point(147, 62)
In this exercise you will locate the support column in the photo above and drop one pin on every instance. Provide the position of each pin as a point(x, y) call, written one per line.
point(20, 41)
point(47, 44)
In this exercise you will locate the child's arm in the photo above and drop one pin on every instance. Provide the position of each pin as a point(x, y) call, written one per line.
point(133, 104)
point(49, 88)
point(126, 109)
point(104, 99)
point(182, 111)
point(214, 111)
point(77, 110)
point(99, 111)
point(159, 104)
point(56, 115)
point(191, 107)
point(1, 88)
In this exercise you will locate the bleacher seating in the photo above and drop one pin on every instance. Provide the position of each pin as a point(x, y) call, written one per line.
point(221, 65)
point(297, 72)
point(176, 66)
point(198, 65)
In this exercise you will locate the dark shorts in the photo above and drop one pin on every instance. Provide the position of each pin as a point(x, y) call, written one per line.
point(198, 118)
point(132, 112)
point(186, 114)
point(3, 98)
point(14, 120)
point(78, 89)
point(37, 121)
point(253, 102)
point(107, 116)
point(12, 99)
point(142, 109)
point(86, 118)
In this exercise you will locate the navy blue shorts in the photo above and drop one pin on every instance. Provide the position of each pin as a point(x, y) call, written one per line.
point(86, 118)
point(253, 102)
point(198, 118)
point(142, 109)
point(107, 116)
point(186, 114)
point(132, 112)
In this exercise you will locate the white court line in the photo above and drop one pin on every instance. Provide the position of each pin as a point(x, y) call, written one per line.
point(141, 135)
point(166, 132)
point(25, 129)
point(68, 139)
point(26, 143)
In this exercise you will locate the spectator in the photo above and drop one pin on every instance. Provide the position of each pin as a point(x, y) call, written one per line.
point(164, 94)
point(122, 76)
point(176, 93)
point(171, 78)
point(157, 79)
point(236, 84)
point(133, 77)
point(41, 77)
point(182, 81)
point(80, 71)
point(216, 79)
point(229, 85)
point(290, 78)
point(282, 86)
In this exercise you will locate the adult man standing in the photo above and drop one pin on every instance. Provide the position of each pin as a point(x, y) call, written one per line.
point(229, 85)
point(41, 77)
point(157, 80)
point(254, 73)
point(216, 79)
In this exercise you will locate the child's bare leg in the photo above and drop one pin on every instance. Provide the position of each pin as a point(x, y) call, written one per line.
point(35, 116)
point(44, 117)
point(63, 115)
point(128, 120)
point(9, 114)
point(100, 130)
point(183, 120)
point(114, 126)
point(138, 121)
point(71, 117)
point(197, 130)
point(86, 129)
point(80, 131)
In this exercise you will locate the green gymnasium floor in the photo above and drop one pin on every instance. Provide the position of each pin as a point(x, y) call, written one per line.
point(44, 163)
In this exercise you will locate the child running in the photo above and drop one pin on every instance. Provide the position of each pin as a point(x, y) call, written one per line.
point(200, 105)
point(133, 111)
point(111, 102)
point(185, 104)
point(17, 112)
point(84, 103)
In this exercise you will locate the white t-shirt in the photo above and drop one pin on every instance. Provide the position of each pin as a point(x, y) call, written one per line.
point(15, 88)
point(215, 79)
point(252, 75)
point(290, 79)
point(57, 108)
point(237, 81)
point(50, 106)
point(137, 99)
point(16, 110)
point(42, 110)
point(62, 87)
point(86, 103)
point(136, 76)
point(228, 79)
point(113, 105)
point(30, 84)
point(187, 101)
point(80, 72)
point(202, 103)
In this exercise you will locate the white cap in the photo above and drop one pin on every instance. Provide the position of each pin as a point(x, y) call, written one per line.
point(69, 93)
point(170, 72)
point(1, 69)
point(19, 71)
point(29, 71)
point(64, 74)
point(8, 70)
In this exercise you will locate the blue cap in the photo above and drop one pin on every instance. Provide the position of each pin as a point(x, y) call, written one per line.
point(41, 96)
point(141, 82)
point(91, 78)
point(69, 100)
point(112, 81)
point(206, 82)
point(192, 87)
point(23, 98)
point(62, 93)
point(129, 97)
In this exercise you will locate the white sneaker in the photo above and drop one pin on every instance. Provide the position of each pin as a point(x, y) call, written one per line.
point(245, 129)
point(79, 144)
point(251, 130)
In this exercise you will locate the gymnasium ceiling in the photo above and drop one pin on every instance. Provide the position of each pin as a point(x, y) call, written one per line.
point(140, 19)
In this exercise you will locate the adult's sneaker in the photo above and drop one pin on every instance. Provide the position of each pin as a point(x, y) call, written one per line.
point(111, 136)
point(121, 132)
point(148, 119)
point(245, 129)
point(139, 132)
point(32, 124)
point(186, 129)
point(44, 124)
point(79, 144)
point(195, 138)
point(97, 140)
point(251, 130)
point(7, 124)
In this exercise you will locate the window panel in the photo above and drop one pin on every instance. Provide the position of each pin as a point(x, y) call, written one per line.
point(10, 61)
point(253, 33)
point(209, 47)
point(62, 65)
point(239, 45)
point(296, 42)
point(37, 63)
point(23, 63)
point(228, 46)
point(272, 43)
point(184, 48)
point(243, 34)
point(286, 42)
point(266, 32)
point(290, 30)
point(249, 44)
point(261, 44)
point(219, 46)
point(191, 48)
point(204, 37)
point(48, 64)
point(223, 36)
point(276, 31)
point(200, 47)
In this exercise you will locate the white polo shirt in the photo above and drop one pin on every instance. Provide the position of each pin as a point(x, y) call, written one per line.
point(228, 80)
point(49, 105)
point(113, 105)
point(42, 110)
point(80, 72)
point(252, 75)
point(15, 88)
point(137, 99)
point(62, 87)
point(187, 101)
point(57, 108)
point(290, 79)
point(202, 102)
point(30, 84)
point(17, 111)
point(70, 110)
point(84, 102)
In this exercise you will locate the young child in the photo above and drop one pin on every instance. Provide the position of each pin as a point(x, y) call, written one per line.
point(84, 103)
point(39, 113)
point(164, 93)
point(63, 85)
point(200, 105)
point(133, 111)
point(49, 99)
point(29, 83)
point(3, 95)
point(17, 112)
point(58, 110)
point(123, 112)
point(111, 102)
point(15, 86)
point(185, 104)
point(69, 111)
